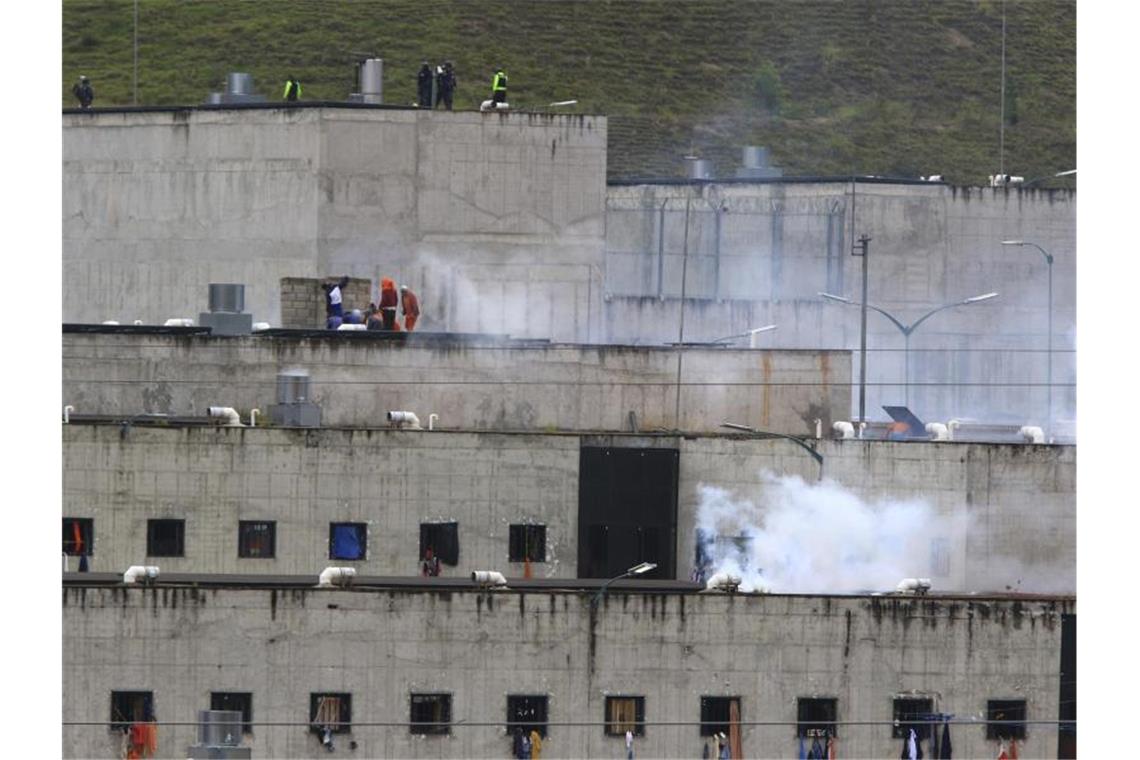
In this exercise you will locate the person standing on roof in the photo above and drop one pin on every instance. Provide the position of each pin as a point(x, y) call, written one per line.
point(292, 89)
point(411, 306)
point(423, 83)
point(388, 303)
point(334, 297)
point(445, 85)
point(83, 92)
point(499, 86)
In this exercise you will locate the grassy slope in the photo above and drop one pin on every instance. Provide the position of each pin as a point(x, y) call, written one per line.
point(899, 87)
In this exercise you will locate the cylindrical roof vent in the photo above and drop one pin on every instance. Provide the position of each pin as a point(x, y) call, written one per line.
point(293, 386)
point(699, 168)
point(238, 83)
point(372, 80)
point(227, 297)
point(755, 156)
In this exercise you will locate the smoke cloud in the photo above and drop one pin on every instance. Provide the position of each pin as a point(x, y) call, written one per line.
point(820, 538)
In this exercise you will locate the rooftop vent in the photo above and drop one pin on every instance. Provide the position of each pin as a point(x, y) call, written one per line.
point(370, 79)
point(226, 310)
point(293, 407)
point(698, 168)
point(755, 164)
point(239, 89)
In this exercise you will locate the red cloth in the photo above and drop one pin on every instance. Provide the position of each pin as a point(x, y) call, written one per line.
point(1013, 749)
point(388, 297)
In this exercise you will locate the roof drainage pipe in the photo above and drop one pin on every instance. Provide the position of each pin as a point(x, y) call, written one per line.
point(136, 572)
point(227, 413)
point(336, 576)
point(405, 419)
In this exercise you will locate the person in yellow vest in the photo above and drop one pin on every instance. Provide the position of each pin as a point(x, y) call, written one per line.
point(499, 86)
point(535, 745)
point(292, 89)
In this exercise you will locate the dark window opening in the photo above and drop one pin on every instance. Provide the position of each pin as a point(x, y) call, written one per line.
point(443, 541)
point(527, 542)
point(1011, 716)
point(165, 538)
point(348, 540)
point(912, 712)
point(331, 711)
point(78, 535)
point(526, 712)
point(239, 701)
point(717, 714)
point(815, 716)
point(625, 714)
point(129, 707)
point(431, 714)
point(257, 539)
point(1067, 695)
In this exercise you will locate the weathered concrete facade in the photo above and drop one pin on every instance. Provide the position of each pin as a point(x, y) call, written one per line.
point(495, 220)
point(469, 384)
point(1018, 501)
point(760, 253)
point(380, 646)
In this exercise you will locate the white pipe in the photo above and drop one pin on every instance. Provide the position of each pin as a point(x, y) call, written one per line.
point(253, 417)
point(723, 581)
point(138, 322)
point(178, 322)
point(488, 578)
point(227, 413)
point(336, 576)
point(952, 427)
point(913, 585)
point(431, 421)
point(862, 427)
point(259, 326)
point(65, 562)
point(938, 431)
point(818, 429)
point(67, 410)
point(1032, 434)
point(843, 429)
point(404, 419)
point(135, 572)
point(350, 328)
point(110, 321)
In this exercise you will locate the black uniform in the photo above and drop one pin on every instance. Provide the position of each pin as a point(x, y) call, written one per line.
point(424, 81)
point(445, 86)
point(83, 93)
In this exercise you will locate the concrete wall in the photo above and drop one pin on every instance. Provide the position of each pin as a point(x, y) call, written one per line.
point(481, 385)
point(759, 254)
point(495, 220)
point(1019, 501)
point(380, 646)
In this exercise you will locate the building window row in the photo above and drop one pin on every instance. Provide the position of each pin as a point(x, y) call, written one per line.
point(257, 539)
point(430, 713)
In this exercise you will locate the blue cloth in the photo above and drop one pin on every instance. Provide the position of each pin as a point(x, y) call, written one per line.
point(817, 751)
point(346, 542)
point(803, 751)
point(945, 749)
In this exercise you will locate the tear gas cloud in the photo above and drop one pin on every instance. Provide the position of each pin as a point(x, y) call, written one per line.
point(799, 537)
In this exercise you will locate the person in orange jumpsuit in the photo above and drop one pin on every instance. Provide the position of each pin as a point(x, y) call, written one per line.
point(388, 303)
point(411, 306)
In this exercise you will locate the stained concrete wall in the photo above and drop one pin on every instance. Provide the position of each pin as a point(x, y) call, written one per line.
point(469, 384)
point(381, 646)
point(758, 254)
point(1018, 501)
point(495, 220)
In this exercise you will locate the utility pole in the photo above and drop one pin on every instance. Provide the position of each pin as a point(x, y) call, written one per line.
point(135, 78)
point(861, 251)
point(681, 328)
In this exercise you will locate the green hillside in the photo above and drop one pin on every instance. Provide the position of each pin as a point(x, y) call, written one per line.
point(890, 87)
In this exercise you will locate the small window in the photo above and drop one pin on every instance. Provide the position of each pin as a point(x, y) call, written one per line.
point(348, 540)
point(1011, 716)
point(239, 701)
point(815, 716)
point(78, 533)
point(329, 710)
point(431, 714)
point(257, 539)
point(527, 542)
point(912, 712)
point(717, 713)
point(129, 707)
point(940, 557)
point(625, 714)
point(165, 538)
point(443, 541)
point(527, 710)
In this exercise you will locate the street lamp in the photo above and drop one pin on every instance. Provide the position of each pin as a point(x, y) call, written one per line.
point(751, 335)
point(906, 330)
point(1048, 260)
point(639, 569)
point(765, 434)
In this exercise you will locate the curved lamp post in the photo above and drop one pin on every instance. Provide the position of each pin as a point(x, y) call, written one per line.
point(906, 330)
point(1049, 261)
point(765, 434)
point(638, 569)
point(751, 335)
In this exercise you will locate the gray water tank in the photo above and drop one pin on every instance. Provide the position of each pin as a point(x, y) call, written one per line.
point(755, 156)
point(292, 387)
point(227, 297)
point(219, 728)
point(372, 80)
point(699, 168)
point(239, 83)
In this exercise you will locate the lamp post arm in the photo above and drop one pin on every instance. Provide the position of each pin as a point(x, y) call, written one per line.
point(903, 328)
point(1048, 256)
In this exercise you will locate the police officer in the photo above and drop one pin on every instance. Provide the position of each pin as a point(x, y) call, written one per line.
point(445, 85)
point(292, 89)
point(424, 82)
point(83, 92)
point(499, 86)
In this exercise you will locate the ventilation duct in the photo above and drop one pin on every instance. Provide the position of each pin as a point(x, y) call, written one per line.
point(698, 168)
point(370, 79)
point(226, 310)
point(755, 160)
point(239, 89)
point(293, 407)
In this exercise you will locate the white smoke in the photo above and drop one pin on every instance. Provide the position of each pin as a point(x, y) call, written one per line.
point(818, 538)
